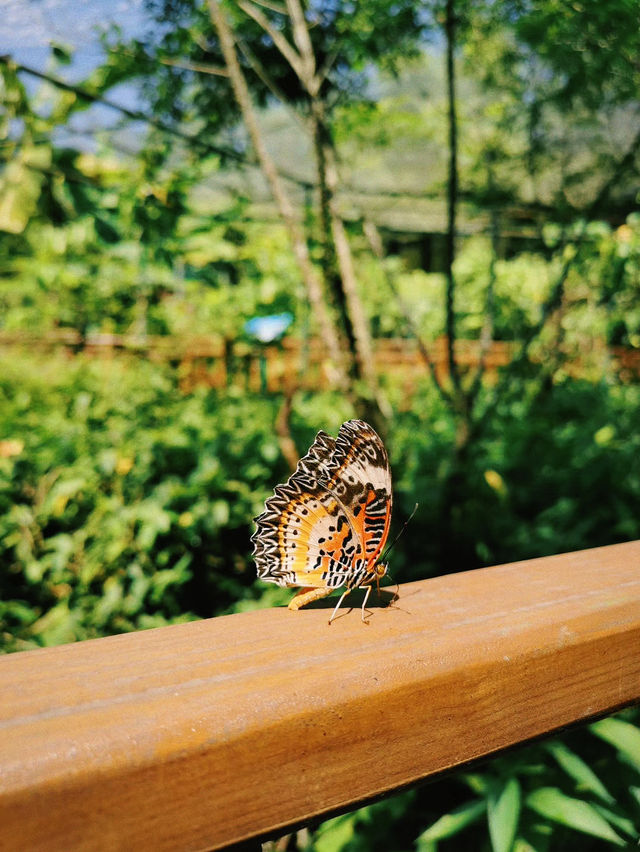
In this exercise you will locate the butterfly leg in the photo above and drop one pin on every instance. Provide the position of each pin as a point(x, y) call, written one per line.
point(364, 603)
point(305, 596)
point(337, 606)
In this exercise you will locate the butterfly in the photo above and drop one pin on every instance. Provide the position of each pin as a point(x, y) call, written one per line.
point(326, 527)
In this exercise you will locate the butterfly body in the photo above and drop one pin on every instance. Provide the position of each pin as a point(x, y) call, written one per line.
point(326, 527)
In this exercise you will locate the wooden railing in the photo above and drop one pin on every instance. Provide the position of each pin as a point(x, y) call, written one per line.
point(217, 362)
point(204, 734)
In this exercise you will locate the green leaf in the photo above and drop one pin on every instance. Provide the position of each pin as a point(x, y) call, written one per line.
point(220, 513)
point(453, 823)
point(162, 580)
point(57, 626)
point(503, 812)
point(62, 53)
point(477, 782)
point(522, 845)
point(105, 230)
point(20, 187)
point(623, 823)
point(577, 769)
point(335, 833)
point(622, 735)
point(552, 803)
point(110, 601)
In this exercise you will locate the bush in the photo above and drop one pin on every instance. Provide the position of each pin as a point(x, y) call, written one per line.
point(123, 503)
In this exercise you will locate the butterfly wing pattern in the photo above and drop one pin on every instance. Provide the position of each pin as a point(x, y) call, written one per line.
point(327, 525)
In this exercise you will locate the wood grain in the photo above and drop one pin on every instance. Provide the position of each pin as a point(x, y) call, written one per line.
point(199, 735)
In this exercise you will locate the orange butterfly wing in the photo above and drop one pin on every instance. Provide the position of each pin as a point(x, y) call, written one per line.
point(327, 526)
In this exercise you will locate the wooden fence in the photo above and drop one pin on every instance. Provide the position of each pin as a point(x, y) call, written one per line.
point(205, 734)
point(217, 362)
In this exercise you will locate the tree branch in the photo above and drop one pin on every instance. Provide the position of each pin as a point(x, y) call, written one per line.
point(261, 72)
point(275, 7)
point(135, 115)
point(305, 48)
point(275, 35)
point(198, 67)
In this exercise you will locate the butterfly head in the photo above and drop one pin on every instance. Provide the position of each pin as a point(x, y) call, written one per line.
point(380, 570)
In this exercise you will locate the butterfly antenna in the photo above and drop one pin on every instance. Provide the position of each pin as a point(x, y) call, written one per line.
point(395, 541)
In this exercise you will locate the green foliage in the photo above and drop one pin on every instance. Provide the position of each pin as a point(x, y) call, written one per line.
point(551, 72)
point(552, 804)
point(347, 37)
point(449, 825)
point(531, 484)
point(554, 462)
point(595, 61)
point(623, 736)
point(503, 814)
point(123, 504)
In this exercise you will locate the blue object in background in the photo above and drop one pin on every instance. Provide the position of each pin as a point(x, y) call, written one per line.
point(268, 329)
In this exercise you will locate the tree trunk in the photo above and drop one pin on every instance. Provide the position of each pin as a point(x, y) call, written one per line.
point(374, 403)
point(452, 191)
point(285, 207)
point(329, 260)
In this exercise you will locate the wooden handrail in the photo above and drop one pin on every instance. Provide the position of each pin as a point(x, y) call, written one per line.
point(200, 735)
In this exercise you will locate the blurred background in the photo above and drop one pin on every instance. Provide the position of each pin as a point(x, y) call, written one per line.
point(226, 226)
